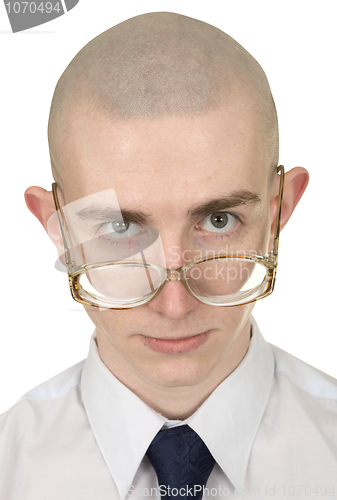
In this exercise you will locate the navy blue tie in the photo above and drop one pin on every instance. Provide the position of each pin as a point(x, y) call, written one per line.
point(181, 460)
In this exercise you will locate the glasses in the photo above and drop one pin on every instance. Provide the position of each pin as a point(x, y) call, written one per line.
point(219, 280)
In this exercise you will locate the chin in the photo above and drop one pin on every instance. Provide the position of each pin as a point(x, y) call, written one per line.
point(181, 373)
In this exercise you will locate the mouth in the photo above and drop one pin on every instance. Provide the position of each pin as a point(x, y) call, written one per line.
point(176, 346)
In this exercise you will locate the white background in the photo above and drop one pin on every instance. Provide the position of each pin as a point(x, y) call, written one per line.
point(43, 330)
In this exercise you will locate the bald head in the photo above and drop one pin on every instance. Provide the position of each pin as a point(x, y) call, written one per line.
point(158, 65)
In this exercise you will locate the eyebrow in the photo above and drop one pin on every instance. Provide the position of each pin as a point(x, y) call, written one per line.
point(107, 214)
point(235, 199)
point(211, 206)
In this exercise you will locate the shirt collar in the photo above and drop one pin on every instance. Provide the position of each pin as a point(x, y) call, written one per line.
point(235, 409)
point(124, 425)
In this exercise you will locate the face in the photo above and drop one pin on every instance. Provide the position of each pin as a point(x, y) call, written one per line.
point(164, 168)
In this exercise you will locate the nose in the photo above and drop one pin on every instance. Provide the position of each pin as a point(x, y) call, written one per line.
point(174, 301)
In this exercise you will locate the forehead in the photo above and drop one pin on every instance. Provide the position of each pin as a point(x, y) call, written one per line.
point(167, 162)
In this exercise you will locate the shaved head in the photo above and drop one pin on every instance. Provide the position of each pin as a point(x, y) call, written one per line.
point(158, 65)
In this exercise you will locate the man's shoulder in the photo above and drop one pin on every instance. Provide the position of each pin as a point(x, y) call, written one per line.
point(304, 376)
point(43, 438)
point(50, 390)
point(58, 385)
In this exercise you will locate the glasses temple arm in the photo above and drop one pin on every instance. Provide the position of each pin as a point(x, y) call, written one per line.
point(280, 168)
point(62, 226)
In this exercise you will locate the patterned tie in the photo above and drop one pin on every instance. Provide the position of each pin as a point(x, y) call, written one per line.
point(182, 463)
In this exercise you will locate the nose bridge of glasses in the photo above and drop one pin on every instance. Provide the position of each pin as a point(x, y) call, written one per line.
point(173, 274)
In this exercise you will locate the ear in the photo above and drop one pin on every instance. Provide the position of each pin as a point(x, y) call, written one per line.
point(41, 203)
point(295, 183)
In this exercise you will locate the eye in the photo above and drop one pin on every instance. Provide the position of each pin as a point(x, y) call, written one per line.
point(219, 222)
point(119, 229)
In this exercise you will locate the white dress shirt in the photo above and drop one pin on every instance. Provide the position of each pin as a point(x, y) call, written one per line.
point(271, 426)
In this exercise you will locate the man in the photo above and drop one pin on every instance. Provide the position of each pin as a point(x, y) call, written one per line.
point(164, 148)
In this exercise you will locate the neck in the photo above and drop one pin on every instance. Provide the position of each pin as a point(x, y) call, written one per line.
point(175, 401)
point(179, 403)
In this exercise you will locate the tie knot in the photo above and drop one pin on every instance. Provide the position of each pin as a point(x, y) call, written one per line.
point(181, 459)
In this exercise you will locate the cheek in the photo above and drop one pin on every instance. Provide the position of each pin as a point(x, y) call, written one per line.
point(262, 235)
point(231, 320)
point(264, 241)
point(109, 323)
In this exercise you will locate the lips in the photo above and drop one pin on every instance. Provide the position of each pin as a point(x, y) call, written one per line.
point(176, 346)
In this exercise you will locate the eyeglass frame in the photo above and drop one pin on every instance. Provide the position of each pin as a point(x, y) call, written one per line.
point(269, 262)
